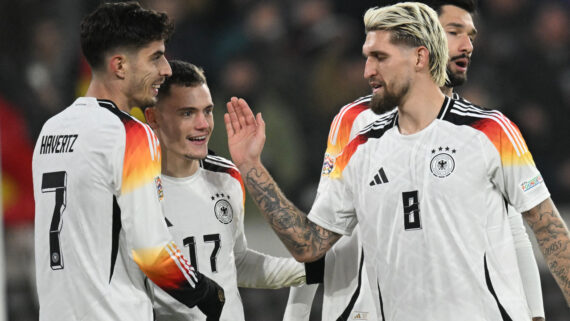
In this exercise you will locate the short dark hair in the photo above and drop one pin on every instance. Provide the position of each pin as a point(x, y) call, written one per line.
point(114, 25)
point(467, 5)
point(183, 74)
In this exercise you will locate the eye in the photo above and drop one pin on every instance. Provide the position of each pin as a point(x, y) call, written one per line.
point(208, 111)
point(186, 113)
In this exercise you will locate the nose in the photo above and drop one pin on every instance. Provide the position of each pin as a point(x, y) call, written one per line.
point(201, 121)
point(466, 45)
point(369, 69)
point(165, 69)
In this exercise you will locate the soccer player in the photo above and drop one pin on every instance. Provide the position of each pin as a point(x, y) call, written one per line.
point(204, 204)
point(99, 227)
point(342, 289)
point(436, 230)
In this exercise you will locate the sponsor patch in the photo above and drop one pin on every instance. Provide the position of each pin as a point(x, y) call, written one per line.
point(159, 189)
point(328, 164)
point(533, 182)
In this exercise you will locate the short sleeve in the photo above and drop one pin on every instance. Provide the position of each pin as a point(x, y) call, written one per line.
point(333, 208)
point(511, 166)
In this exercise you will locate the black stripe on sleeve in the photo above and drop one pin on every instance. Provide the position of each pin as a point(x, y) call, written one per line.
point(116, 229)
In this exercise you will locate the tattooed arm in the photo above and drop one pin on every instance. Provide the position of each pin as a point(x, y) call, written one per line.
point(304, 239)
point(246, 135)
point(553, 238)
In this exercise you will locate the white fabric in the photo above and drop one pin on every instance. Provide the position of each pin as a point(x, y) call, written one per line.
point(527, 264)
point(93, 164)
point(435, 270)
point(300, 302)
point(342, 261)
point(209, 205)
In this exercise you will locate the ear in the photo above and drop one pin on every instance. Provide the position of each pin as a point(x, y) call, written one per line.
point(150, 115)
point(118, 65)
point(422, 58)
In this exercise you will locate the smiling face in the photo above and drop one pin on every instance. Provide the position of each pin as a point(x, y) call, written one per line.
point(461, 32)
point(184, 122)
point(147, 70)
point(388, 69)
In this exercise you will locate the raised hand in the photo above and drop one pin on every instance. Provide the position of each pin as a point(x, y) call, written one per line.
point(246, 133)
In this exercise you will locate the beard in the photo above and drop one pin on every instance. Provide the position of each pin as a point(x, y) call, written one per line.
point(391, 99)
point(146, 102)
point(455, 79)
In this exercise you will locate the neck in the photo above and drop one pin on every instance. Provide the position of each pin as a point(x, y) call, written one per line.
point(419, 108)
point(108, 89)
point(177, 165)
point(447, 90)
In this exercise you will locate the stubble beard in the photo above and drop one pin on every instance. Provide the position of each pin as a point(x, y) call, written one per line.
point(387, 102)
point(455, 79)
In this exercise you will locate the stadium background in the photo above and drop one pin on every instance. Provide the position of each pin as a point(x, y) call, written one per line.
point(297, 62)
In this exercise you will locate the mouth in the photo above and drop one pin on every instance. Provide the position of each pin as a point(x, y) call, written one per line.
point(461, 64)
point(199, 140)
point(375, 86)
point(155, 88)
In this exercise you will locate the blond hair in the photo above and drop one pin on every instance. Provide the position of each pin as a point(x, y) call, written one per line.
point(413, 24)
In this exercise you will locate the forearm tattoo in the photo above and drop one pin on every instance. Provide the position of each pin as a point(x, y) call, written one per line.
point(554, 240)
point(299, 235)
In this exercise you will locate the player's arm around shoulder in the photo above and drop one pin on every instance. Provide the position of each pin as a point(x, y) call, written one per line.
point(553, 239)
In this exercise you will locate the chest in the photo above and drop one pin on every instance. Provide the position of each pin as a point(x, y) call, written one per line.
point(432, 171)
point(205, 219)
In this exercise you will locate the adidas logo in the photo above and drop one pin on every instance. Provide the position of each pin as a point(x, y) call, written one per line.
point(379, 178)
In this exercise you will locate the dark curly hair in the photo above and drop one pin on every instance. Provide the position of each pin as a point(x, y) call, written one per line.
point(183, 74)
point(124, 24)
point(467, 5)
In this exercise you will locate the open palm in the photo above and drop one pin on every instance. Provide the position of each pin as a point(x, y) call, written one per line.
point(246, 133)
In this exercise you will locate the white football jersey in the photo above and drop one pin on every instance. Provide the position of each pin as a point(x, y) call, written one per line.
point(98, 220)
point(205, 214)
point(431, 211)
point(346, 287)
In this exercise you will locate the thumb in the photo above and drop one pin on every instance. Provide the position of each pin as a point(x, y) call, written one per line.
point(260, 122)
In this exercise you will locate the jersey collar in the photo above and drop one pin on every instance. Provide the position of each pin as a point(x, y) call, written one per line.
point(107, 103)
point(447, 103)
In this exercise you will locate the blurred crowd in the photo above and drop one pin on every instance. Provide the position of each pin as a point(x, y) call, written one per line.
point(297, 62)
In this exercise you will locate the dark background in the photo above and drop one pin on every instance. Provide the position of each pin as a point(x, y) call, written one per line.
point(296, 61)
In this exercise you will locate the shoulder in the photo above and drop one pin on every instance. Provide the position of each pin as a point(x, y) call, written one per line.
point(345, 118)
point(463, 112)
point(380, 125)
point(218, 164)
point(492, 123)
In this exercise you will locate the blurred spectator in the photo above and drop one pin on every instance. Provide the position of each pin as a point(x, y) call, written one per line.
point(18, 209)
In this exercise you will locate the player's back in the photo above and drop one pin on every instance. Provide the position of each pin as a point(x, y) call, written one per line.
point(83, 269)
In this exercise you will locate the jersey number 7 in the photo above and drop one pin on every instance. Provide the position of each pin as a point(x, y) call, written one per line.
point(55, 182)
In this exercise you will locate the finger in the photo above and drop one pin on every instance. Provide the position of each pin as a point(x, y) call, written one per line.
point(240, 111)
point(233, 116)
point(247, 113)
point(261, 123)
point(229, 128)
